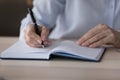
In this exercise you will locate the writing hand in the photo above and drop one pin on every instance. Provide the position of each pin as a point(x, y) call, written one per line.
point(35, 40)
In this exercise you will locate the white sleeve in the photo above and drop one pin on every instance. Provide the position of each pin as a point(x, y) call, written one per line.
point(45, 12)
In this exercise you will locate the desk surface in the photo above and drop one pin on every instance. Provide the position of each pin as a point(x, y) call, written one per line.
point(58, 68)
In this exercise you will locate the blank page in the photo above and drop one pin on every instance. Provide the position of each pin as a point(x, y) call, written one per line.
point(84, 52)
point(22, 50)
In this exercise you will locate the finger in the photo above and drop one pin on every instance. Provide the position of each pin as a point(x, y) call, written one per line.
point(98, 29)
point(88, 35)
point(100, 42)
point(32, 39)
point(47, 43)
point(44, 33)
point(31, 32)
point(94, 39)
point(36, 38)
point(34, 45)
point(108, 38)
point(33, 42)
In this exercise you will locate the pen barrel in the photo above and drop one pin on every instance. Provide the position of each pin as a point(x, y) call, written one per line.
point(39, 33)
point(37, 29)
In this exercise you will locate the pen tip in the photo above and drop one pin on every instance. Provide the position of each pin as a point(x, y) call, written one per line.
point(43, 46)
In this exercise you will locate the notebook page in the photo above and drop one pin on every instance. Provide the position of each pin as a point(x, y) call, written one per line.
point(72, 48)
point(22, 50)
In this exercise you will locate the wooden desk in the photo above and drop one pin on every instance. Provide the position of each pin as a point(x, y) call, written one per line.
point(59, 69)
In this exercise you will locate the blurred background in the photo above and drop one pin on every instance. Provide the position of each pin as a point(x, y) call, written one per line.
point(11, 14)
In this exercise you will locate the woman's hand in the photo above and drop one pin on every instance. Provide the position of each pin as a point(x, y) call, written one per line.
point(100, 35)
point(33, 39)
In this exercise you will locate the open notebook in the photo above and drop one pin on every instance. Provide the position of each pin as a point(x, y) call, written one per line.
point(66, 48)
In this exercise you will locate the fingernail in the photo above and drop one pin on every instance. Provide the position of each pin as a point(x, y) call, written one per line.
point(79, 42)
point(83, 44)
point(91, 46)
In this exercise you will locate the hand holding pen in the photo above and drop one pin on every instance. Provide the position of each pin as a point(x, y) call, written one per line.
point(35, 35)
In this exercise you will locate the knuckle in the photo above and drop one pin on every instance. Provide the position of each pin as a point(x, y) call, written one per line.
point(110, 31)
point(103, 41)
point(102, 26)
point(89, 42)
point(113, 38)
point(112, 35)
point(97, 37)
point(45, 29)
point(31, 25)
